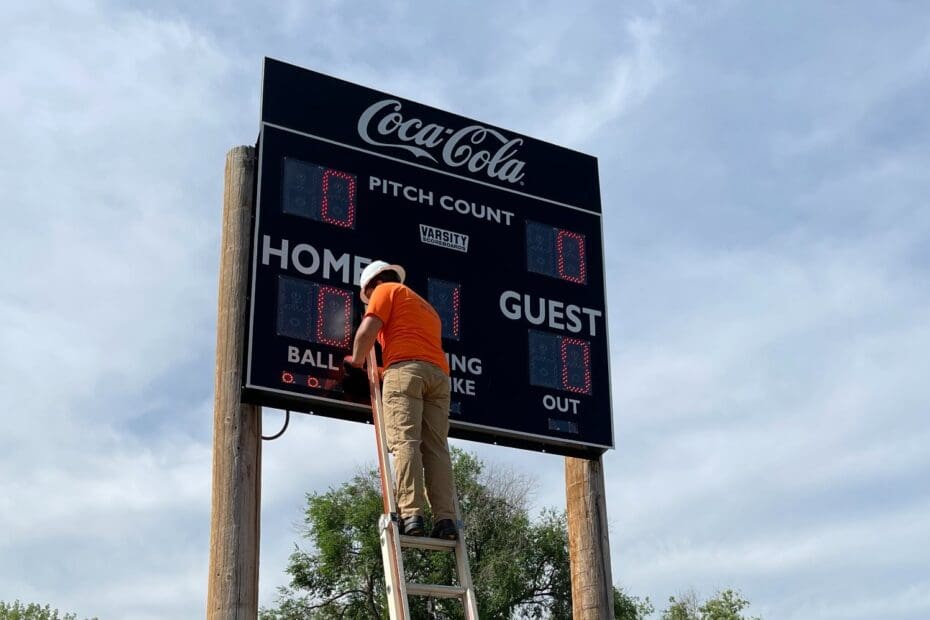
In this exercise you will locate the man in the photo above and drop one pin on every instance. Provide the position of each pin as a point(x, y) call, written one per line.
point(416, 393)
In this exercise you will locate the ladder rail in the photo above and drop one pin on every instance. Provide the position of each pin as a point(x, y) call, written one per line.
point(390, 536)
point(464, 570)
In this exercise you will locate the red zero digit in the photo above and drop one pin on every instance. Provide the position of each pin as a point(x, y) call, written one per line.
point(586, 353)
point(324, 208)
point(326, 293)
point(581, 277)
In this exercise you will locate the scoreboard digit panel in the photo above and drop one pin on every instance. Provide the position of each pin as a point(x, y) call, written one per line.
point(446, 298)
point(510, 258)
point(318, 193)
point(560, 362)
point(556, 252)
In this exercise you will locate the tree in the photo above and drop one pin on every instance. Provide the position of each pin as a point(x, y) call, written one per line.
point(628, 607)
point(32, 611)
point(520, 567)
point(725, 605)
point(685, 607)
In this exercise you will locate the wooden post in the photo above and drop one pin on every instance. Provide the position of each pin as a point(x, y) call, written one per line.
point(588, 544)
point(232, 592)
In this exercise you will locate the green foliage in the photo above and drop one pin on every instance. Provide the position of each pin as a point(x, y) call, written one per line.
point(725, 605)
point(520, 567)
point(342, 579)
point(685, 607)
point(32, 611)
point(628, 607)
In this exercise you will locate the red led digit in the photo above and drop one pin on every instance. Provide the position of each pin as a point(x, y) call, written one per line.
point(349, 222)
point(581, 277)
point(586, 354)
point(456, 301)
point(321, 323)
point(287, 377)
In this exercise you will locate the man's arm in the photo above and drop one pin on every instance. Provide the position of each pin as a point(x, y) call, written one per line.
point(365, 339)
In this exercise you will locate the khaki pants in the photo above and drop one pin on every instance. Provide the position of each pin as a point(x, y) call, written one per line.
point(416, 413)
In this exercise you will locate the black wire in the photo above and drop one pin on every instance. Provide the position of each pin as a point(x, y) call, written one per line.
point(287, 420)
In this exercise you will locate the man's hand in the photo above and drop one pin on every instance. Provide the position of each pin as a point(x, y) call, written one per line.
point(354, 380)
point(349, 365)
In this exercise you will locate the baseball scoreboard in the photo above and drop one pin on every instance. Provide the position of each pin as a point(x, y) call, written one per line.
point(500, 232)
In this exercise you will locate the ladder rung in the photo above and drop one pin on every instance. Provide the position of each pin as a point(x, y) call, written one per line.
point(426, 589)
point(424, 542)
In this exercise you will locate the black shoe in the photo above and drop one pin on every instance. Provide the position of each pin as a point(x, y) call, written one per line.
point(445, 529)
point(412, 526)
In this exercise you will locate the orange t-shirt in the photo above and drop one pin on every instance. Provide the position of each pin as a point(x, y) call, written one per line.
point(412, 329)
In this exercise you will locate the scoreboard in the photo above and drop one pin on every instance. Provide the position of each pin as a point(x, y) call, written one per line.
point(500, 232)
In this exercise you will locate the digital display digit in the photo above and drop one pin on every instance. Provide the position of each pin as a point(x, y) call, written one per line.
point(545, 355)
point(569, 251)
point(318, 193)
point(320, 314)
point(295, 308)
point(334, 325)
point(576, 365)
point(556, 252)
point(338, 198)
point(560, 362)
point(540, 249)
point(446, 298)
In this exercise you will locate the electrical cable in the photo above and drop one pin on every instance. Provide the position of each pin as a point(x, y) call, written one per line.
point(287, 420)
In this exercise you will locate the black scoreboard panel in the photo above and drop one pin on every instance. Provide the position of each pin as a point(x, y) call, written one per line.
point(500, 232)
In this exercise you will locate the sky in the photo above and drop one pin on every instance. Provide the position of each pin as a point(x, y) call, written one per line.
point(763, 170)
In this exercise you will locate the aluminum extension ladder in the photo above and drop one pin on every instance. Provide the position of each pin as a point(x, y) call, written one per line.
point(397, 586)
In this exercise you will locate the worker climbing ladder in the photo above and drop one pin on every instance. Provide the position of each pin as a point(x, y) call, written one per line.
point(392, 542)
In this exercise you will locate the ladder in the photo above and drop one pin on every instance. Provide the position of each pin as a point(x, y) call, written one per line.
point(392, 541)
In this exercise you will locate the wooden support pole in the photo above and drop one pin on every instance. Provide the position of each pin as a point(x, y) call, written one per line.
point(232, 592)
point(588, 543)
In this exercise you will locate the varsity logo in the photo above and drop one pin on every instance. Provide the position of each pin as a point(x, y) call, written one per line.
point(431, 235)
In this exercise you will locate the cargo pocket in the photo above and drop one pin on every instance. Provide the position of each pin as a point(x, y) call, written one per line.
point(403, 405)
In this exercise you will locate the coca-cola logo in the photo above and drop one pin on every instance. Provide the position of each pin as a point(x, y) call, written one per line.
point(477, 148)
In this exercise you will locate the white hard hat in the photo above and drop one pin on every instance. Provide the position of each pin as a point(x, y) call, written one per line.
point(373, 269)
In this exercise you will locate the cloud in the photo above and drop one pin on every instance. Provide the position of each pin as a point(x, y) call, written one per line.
point(764, 184)
point(628, 79)
point(110, 236)
point(106, 224)
point(782, 383)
